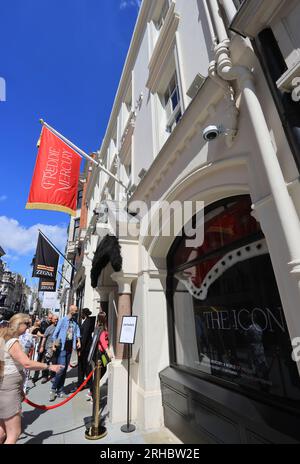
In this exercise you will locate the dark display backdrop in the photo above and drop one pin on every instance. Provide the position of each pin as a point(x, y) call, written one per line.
point(241, 333)
point(234, 328)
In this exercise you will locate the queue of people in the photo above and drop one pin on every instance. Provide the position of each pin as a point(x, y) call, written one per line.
point(66, 338)
point(13, 361)
point(86, 332)
point(46, 346)
point(42, 326)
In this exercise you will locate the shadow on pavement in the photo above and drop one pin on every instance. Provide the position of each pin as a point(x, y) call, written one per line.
point(46, 434)
point(39, 438)
point(88, 421)
point(30, 416)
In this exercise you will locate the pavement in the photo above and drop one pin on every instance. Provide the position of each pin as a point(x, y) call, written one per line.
point(68, 423)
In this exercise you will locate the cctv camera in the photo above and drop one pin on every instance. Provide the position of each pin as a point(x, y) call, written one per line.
point(211, 133)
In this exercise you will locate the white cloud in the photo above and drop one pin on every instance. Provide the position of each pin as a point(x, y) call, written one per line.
point(18, 240)
point(3, 197)
point(128, 3)
point(9, 257)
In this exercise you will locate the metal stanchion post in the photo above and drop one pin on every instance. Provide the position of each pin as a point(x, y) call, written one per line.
point(127, 428)
point(96, 431)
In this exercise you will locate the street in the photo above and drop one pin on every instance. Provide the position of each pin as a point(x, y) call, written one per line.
point(67, 424)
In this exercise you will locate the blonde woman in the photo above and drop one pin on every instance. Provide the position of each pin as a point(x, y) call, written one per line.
point(12, 362)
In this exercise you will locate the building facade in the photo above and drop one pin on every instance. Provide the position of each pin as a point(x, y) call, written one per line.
point(200, 122)
point(72, 250)
point(13, 291)
point(2, 267)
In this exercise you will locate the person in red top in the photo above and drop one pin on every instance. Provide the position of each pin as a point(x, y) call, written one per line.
point(103, 345)
point(103, 341)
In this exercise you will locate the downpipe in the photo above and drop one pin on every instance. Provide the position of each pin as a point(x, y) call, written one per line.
point(232, 112)
point(230, 9)
point(217, 31)
point(283, 203)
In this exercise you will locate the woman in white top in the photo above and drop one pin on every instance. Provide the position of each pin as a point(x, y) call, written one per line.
point(13, 361)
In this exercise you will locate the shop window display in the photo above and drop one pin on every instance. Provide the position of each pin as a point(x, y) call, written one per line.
point(228, 318)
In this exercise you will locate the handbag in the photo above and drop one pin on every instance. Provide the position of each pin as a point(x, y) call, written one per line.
point(104, 359)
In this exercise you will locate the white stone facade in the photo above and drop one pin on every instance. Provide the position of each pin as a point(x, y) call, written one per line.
point(219, 81)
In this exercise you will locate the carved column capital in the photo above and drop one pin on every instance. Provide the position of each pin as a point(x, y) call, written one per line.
point(124, 281)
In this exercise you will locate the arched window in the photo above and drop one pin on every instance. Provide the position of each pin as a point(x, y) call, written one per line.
point(226, 310)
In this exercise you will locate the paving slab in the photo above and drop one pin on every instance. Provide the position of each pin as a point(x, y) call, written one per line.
point(67, 424)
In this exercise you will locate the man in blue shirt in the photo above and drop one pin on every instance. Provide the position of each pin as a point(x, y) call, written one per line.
point(66, 338)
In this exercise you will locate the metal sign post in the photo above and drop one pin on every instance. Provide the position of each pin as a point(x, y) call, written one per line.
point(127, 337)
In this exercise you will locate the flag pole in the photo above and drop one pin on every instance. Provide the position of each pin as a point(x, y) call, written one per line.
point(63, 277)
point(82, 153)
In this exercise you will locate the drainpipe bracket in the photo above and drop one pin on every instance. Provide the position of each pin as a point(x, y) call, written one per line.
point(225, 67)
point(222, 45)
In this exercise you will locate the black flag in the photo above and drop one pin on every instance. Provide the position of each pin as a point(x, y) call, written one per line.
point(46, 260)
point(47, 285)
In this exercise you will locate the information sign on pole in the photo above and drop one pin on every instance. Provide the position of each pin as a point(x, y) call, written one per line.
point(127, 334)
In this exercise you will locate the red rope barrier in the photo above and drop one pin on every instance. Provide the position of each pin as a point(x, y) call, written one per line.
point(46, 408)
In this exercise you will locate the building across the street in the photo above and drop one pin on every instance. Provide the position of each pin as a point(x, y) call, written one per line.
point(2, 252)
point(14, 293)
point(206, 119)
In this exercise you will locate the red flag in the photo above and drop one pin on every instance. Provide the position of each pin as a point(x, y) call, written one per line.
point(56, 174)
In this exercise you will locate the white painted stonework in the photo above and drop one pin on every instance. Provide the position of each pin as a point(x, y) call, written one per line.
point(182, 166)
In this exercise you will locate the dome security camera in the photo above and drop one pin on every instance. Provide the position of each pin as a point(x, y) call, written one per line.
point(211, 133)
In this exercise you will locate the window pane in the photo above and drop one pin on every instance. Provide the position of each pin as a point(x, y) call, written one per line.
point(238, 332)
point(172, 85)
point(76, 229)
point(238, 3)
point(178, 116)
point(229, 320)
point(174, 99)
point(230, 224)
point(79, 199)
point(172, 104)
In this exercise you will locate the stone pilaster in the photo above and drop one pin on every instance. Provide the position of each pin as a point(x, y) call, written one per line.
point(124, 282)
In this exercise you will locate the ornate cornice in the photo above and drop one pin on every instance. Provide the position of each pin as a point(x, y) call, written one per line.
point(162, 48)
point(137, 37)
point(191, 122)
point(255, 15)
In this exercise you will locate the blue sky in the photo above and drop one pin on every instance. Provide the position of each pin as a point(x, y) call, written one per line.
point(61, 60)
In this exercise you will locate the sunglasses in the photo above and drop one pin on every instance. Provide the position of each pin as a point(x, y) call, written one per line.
point(28, 324)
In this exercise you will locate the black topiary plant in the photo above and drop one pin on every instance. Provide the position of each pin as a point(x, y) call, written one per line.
point(108, 251)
